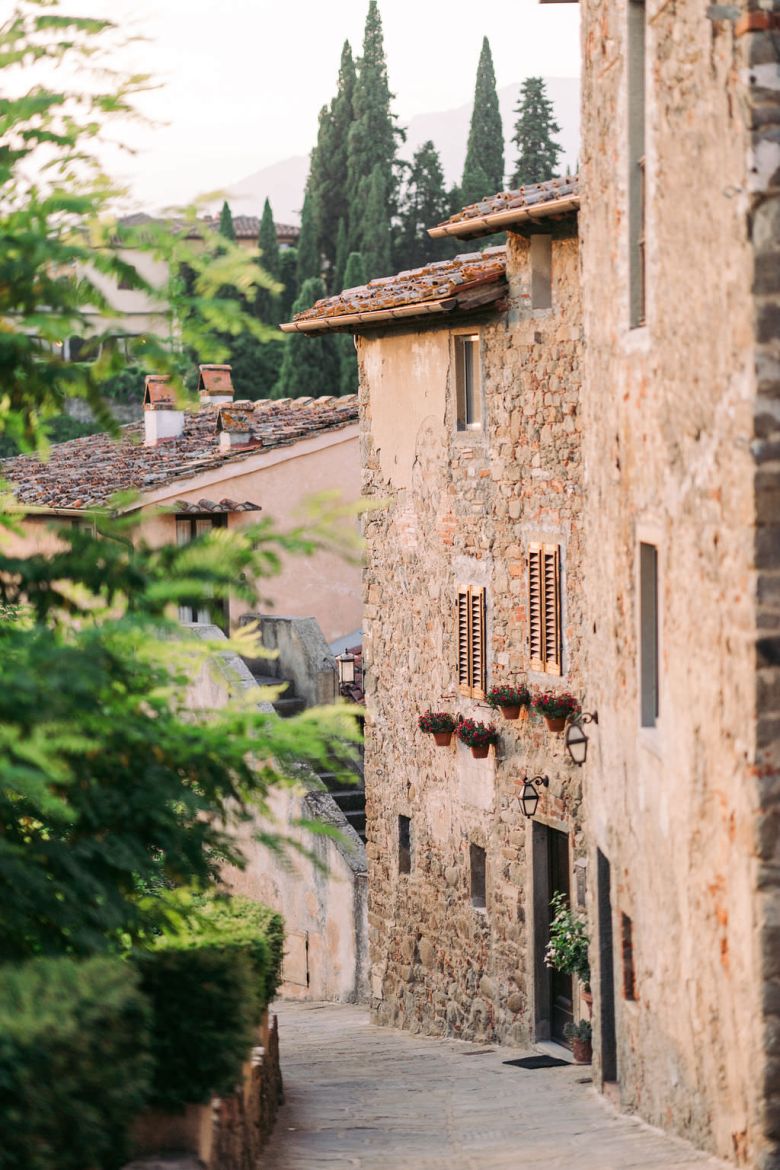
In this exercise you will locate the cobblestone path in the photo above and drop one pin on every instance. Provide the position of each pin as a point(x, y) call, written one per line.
point(380, 1099)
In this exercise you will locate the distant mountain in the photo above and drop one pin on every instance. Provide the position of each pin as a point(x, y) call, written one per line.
point(283, 183)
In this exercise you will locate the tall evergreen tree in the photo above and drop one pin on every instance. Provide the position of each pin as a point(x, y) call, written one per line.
point(354, 276)
point(310, 364)
point(226, 227)
point(424, 202)
point(483, 171)
point(375, 230)
point(329, 162)
point(341, 257)
point(309, 259)
point(534, 137)
point(288, 278)
point(266, 303)
point(372, 139)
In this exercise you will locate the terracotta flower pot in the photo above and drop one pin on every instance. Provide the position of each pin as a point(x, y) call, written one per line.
point(442, 738)
point(587, 999)
point(480, 753)
point(511, 712)
point(555, 722)
point(582, 1050)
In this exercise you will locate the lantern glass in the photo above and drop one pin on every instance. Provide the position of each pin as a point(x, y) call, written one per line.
point(346, 669)
point(529, 799)
point(577, 743)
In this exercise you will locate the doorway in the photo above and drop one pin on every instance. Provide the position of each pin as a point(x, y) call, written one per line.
point(552, 989)
point(608, 1036)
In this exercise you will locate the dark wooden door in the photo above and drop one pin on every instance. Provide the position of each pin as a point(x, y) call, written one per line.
point(561, 1012)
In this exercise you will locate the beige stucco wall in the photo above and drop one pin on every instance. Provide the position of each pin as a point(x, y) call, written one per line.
point(667, 426)
point(460, 508)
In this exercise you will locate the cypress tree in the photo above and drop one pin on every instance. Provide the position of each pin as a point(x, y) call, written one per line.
point(310, 364)
point(534, 137)
point(266, 304)
point(375, 234)
point(483, 171)
point(288, 278)
point(226, 227)
point(309, 260)
point(341, 257)
point(372, 139)
point(354, 276)
point(425, 202)
point(329, 163)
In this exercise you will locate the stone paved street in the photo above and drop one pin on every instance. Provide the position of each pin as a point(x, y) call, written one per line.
point(379, 1099)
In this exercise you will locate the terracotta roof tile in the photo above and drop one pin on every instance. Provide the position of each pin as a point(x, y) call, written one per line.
point(521, 200)
point(86, 473)
point(473, 278)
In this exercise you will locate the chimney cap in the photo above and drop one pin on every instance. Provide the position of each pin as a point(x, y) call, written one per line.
point(158, 392)
point(215, 381)
point(236, 422)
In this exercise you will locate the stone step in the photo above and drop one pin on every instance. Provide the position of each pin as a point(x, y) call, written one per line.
point(352, 799)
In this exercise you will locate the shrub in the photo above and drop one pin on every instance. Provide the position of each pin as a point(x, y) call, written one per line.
point(567, 950)
point(476, 734)
point(74, 1063)
point(208, 985)
point(509, 696)
point(433, 721)
point(582, 1031)
point(556, 704)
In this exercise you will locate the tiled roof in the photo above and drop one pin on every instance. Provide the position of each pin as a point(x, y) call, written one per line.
point(247, 227)
point(86, 473)
point(216, 506)
point(537, 200)
point(466, 282)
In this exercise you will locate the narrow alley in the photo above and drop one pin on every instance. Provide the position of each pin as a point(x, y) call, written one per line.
point(380, 1099)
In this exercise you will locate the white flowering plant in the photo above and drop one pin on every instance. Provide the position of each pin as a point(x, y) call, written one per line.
point(567, 950)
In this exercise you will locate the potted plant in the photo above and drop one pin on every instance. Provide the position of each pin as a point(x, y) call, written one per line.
point(439, 724)
point(567, 950)
point(510, 700)
point(477, 736)
point(556, 707)
point(581, 1036)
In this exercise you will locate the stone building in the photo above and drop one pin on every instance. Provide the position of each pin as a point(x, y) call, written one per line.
point(471, 449)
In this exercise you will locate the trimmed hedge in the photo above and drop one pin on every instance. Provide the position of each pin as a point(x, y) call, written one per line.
point(74, 1063)
point(208, 985)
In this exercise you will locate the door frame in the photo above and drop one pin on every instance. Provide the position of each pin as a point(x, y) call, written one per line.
point(541, 1006)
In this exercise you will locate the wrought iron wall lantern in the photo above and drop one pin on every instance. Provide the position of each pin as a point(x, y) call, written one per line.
point(576, 740)
point(346, 665)
point(529, 797)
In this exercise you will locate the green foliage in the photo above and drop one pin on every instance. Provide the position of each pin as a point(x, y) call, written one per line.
point(424, 203)
point(256, 365)
point(74, 1063)
point(220, 969)
point(375, 233)
point(328, 174)
point(483, 170)
point(311, 364)
point(534, 137)
point(309, 265)
point(341, 258)
point(567, 950)
point(581, 1031)
point(288, 278)
point(354, 276)
point(226, 227)
point(267, 303)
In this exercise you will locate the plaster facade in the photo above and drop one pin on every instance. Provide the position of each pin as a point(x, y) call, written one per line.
point(679, 424)
point(459, 508)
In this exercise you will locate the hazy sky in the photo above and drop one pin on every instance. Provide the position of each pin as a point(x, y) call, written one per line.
point(244, 79)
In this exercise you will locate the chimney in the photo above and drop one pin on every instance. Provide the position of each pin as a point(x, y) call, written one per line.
point(162, 418)
point(234, 428)
point(215, 385)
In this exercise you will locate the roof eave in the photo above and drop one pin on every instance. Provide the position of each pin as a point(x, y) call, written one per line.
point(345, 320)
point(479, 225)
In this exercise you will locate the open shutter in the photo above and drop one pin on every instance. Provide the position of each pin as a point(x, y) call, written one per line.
point(464, 643)
point(478, 665)
point(552, 608)
point(535, 608)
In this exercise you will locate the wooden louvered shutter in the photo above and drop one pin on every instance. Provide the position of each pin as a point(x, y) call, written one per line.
point(535, 608)
point(478, 667)
point(552, 608)
point(464, 643)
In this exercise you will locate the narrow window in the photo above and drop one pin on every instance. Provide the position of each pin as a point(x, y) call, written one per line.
point(541, 272)
point(648, 633)
point(637, 72)
point(467, 378)
point(627, 944)
point(478, 869)
point(544, 608)
point(404, 845)
point(187, 529)
point(472, 670)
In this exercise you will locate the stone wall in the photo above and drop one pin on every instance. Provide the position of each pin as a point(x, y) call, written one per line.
point(668, 424)
point(459, 508)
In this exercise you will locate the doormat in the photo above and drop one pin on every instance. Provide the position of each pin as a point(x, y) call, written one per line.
point(540, 1061)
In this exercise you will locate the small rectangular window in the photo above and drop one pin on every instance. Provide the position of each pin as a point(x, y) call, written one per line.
point(541, 272)
point(472, 669)
point(187, 529)
point(544, 608)
point(627, 942)
point(468, 381)
point(648, 633)
point(404, 845)
point(478, 862)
